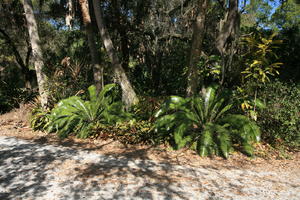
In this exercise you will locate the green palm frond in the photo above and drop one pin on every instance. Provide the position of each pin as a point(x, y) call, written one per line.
point(224, 139)
point(247, 129)
point(74, 115)
point(203, 123)
point(179, 136)
point(205, 141)
point(39, 118)
point(174, 103)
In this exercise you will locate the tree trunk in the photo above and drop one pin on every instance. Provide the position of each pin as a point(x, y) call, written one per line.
point(97, 68)
point(196, 47)
point(128, 94)
point(36, 52)
point(228, 30)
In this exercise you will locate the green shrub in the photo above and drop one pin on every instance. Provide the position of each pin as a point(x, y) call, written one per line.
point(132, 132)
point(74, 115)
point(39, 119)
point(280, 121)
point(202, 123)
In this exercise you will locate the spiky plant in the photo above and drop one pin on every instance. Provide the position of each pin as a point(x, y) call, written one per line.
point(203, 124)
point(74, 115)
point(39, 119)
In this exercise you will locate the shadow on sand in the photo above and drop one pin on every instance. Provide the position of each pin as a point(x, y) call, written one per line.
point(25, 166)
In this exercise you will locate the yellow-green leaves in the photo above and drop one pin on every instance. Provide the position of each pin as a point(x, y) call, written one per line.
point(260, 64)
point(260, 59)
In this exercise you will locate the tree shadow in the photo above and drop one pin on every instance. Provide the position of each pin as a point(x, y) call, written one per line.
point(69, 142)
point(128, 176)
point(38, 171)
point(24, 165)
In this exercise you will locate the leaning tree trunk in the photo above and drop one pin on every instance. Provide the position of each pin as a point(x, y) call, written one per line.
point(196, 47)
point(128, 94)
point(97, 68)
point(228, 31)
point(36, 52)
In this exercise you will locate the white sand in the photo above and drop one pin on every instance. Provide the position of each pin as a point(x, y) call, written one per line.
point(35, 171)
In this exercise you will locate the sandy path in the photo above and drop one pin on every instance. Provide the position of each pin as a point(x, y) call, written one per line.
point(39, 171)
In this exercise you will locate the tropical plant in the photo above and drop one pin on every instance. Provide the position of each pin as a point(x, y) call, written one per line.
point(250, 103)
point(74, 115)
point(39, 119)
point(259, 59)
point(259, 67)
point(147, 107)
point(203, 124)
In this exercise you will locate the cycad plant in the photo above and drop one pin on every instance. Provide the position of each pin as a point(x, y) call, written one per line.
point(74, 115)
point(39, 118)
point(203, 124)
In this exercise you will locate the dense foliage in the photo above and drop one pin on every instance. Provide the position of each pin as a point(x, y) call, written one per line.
point(74, 115)
point(11, 96)
point(203, 123)
point(164, 55)
point(280, 121)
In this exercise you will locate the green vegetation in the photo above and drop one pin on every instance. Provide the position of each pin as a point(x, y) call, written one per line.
point(260, 58)
point(203, 123)
point(212, 76)
point(280, 121)
point(74, 115)
point(128, 132)
point(40, 118)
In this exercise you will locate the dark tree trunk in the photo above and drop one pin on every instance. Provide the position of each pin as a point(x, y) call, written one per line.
point(128, 94)
point(121, 28)
point(97, 67)
point(228, 31)
point(196, 47)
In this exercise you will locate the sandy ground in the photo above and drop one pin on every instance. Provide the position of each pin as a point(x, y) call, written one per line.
point(34, 165)
point(31, 170)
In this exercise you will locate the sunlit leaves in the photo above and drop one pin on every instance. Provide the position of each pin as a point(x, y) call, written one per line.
point(74, 115)
point(259, 64)
point(203, 124)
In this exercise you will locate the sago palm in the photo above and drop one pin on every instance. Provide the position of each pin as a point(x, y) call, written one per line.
point(76, 115)
point(203, 123)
